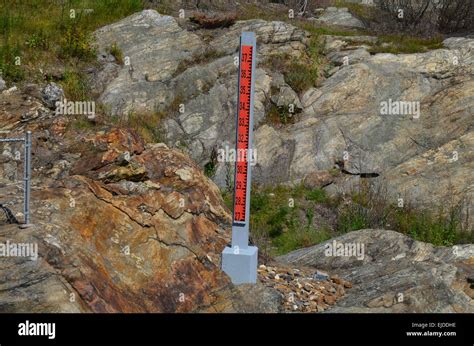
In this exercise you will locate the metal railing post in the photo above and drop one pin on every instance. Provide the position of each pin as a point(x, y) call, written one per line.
point(26, 174)
point(27, 177)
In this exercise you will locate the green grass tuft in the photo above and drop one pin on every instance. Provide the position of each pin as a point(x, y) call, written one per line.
point(75, 86)
point(398, 44)
point(117, 53)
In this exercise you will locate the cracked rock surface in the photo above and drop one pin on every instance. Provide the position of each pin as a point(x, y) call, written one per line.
point(138, 235)
point(396, 273)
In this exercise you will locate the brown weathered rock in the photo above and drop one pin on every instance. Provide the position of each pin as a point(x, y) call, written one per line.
point(116, 242)
point(317, 179)
point(336, 279)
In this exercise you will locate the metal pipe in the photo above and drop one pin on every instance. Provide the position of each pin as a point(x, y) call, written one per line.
point(3, 140)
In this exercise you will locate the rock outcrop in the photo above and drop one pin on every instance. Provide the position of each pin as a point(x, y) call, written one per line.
point(395, 273)
point(340, 17)
point(181, 67)
point(123, 228)
point(424, 156)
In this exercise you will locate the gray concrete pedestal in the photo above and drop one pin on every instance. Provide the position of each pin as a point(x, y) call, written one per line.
point(240, 264)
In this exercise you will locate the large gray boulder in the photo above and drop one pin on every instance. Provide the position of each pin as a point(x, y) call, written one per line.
point(396, 273)
point(154, 45)
point(339, 16)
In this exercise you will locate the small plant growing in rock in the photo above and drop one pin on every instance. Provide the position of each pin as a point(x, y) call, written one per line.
point(117, 53)
point(211, 166)
point(279, 115)
point(302, 73)
point(146, 124)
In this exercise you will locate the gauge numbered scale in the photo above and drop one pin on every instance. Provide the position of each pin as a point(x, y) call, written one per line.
point(244, 127)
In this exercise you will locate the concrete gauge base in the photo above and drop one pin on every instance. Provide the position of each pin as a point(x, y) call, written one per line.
point(240, 264)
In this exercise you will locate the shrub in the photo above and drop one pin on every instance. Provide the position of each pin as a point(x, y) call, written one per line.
point(76, 43)
point(456, 15)
point(275, 223)
point(213, 20)
point(280, 227)
point(370, 208)
point(299, 75)
point(211, 166)
point(426, 17)
point(316, 195)
point(38, 40)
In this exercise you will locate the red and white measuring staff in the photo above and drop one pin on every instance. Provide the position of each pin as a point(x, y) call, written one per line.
point(244, 130)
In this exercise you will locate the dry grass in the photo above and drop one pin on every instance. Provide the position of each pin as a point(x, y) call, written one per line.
point(213, 20)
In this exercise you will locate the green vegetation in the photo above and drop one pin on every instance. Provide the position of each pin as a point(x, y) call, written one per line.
point(439, 228)
point(397, 44)
point(75, 86)
point(369, 208)
point(146, 124)
point(304, 72)
point(117, 53)
point(363, 12)
point(300, 73)
point(279, 115)
point(211, 166)
point(80, 123)
point(325, 30)
point(283, 218)
point(50, 32)
point(210, 169)
point(300, 77)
